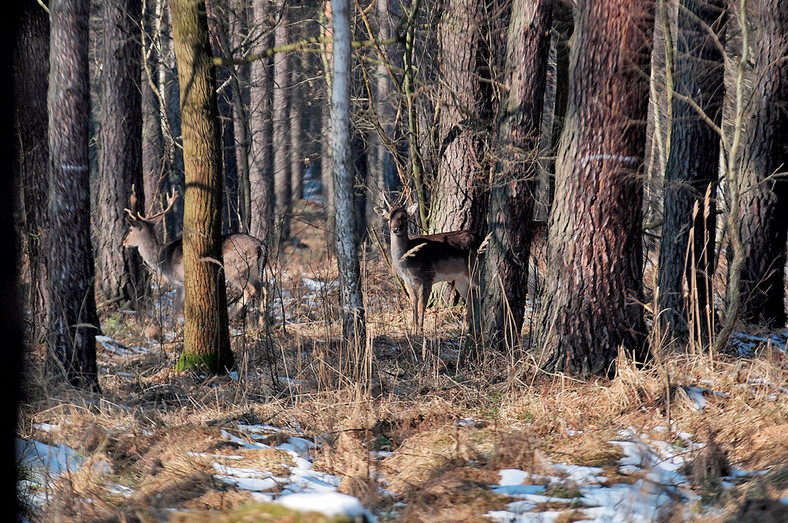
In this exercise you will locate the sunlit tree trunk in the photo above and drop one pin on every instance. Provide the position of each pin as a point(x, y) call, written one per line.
point(120, 273)
point(764, 216)
point(347, 243)
point(206, 340)
point(73, 322)
point(281, 140)
point(592, 305)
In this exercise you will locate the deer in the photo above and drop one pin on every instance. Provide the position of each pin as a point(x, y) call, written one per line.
point(423, 260)
point(243, 256)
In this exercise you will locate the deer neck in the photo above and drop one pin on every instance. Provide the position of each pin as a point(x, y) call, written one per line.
point(152, 253)
point(400, 244)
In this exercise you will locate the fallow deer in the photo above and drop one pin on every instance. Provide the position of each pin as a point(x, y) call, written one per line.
point(424, 260)
point(243, 256)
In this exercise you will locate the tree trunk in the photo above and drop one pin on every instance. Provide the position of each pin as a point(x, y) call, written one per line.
point(153, 161)
point(764, 216)
point(206, 340)
point(504, 273)
point(31, 72)
point(22, 31)
point(73, 322)
point(692, 166)
point(592, 304)
point(297, 94)
point(261, 180)
point(456, 200)
point(327, 162)
point(282, 180)
point(120, 271)
point(353, 326)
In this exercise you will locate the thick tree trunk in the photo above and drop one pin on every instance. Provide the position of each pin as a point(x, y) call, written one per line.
point(353, 326)
point(764, 216)
point(206, 340)
point(31, 72)
point(261, 180)
point(21, 31)
point(592, 304)
point(692, 167)
point(281, 135)
point(73, 322)
point(504, 274)
point(120, 271)
point(456, 201)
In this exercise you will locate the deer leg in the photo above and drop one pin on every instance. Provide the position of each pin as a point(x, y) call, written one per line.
point(464, 287)
point(424, 296)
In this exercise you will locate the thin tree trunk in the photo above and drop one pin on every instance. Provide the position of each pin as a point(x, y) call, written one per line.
point(73, 321)
point(206, 340)
point(353, 326)
point(504, 273)
point(764, 215)
point(297, 94)
point(692, 167)
point(261, 180)
point(326, 140)
point(120, 271)
point(282, 180)
point(31, 72)
point(592, 304)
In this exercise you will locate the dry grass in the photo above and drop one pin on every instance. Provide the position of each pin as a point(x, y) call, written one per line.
point(149, 426)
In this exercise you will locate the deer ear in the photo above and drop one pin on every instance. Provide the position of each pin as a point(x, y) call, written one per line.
point(412, 209)
point(382, 213)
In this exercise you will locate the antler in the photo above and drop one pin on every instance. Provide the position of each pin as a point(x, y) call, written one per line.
point(135, 215)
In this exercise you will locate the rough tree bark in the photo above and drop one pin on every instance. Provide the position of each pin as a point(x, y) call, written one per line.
point(261, 178)
point(592, 305)
point(353, 326)
point(297, 94)
point(120, 273)
point(31, 72)
point(282, 180)
point(153, 160)
point(504, 273)
point(764, 215)
point(73, 322)
point(464, 114)
point(692, 166)
point(21, 31)
point(206, 340)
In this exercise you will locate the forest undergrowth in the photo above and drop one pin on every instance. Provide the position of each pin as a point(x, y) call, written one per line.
point(414, 439)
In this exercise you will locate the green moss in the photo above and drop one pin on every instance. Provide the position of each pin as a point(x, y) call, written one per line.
point(260, 512)
point(210, 362)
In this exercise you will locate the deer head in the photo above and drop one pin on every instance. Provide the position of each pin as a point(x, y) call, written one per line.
point(141, 232)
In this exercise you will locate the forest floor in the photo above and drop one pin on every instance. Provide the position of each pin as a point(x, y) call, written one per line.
point(399, 429)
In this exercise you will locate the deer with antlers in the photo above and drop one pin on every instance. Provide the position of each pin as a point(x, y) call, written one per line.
point(243, 256)
point(424, 260)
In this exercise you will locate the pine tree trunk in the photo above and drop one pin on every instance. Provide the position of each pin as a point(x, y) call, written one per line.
point(504, 274)
point(456, 200)
point(297, 94)
point(326, 139)
point(120, 271)
point(31, 79)
point(692, 166)
point(353, 326)
point(73, 322)
point(281, 134)
point(592, 304)
point(764, 216)
point(261, 180)
point(206, 340)
point(153, 160)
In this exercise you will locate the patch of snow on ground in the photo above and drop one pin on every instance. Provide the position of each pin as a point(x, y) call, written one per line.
point(303, 489)
point(331, 505)
point(747, 344)
point(44, 463)
point(117, 348)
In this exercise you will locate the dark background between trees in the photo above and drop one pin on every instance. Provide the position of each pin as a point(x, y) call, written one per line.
point(666, 120)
